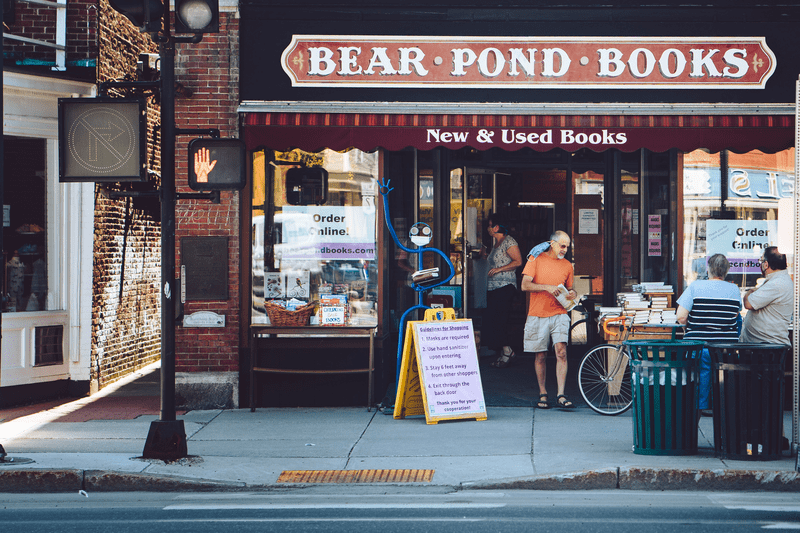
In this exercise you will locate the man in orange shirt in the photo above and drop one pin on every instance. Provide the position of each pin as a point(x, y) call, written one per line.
point(547, 318)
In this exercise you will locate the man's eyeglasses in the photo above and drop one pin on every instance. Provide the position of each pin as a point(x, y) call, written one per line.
point(762, 261)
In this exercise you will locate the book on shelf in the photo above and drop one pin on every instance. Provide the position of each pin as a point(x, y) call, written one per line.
point(655, 316)
point(647, 287)
point(668, 316)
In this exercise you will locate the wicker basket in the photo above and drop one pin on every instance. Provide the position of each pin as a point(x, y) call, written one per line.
point(280, 317)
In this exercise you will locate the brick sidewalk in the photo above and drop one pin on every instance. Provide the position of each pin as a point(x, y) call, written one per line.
point(139, 397)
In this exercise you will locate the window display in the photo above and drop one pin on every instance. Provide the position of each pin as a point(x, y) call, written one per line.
point(314, 236)
point(737, 205)
point(24, 280)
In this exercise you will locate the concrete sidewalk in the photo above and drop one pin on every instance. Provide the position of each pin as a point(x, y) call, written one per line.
point(95, 444)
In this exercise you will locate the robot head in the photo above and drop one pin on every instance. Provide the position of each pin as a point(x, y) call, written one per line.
point(420, 234)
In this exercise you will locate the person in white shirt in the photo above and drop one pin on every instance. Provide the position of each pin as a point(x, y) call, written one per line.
point(770, 305)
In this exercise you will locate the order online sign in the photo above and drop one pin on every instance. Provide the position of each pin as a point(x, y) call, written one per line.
point(742, 241)
point(327, 232)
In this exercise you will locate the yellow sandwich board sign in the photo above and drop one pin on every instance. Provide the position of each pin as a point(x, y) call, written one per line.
point(439, 375)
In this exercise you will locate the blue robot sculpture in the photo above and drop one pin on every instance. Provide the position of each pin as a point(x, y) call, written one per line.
point(422, 280)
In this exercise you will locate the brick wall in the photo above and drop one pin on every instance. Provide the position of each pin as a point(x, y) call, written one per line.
point(126, 316)
point(126, 306)
point(39, 22)
point(82, 29)
point(34, 22)
point(210, 70)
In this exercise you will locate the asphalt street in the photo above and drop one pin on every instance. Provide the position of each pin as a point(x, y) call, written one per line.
point(418, 510)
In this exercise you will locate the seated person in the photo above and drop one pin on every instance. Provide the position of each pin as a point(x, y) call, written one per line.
point(710, 310)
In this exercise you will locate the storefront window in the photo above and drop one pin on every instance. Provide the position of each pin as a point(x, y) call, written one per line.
point(629, 211)
point(736, 204)
point(24, 282)
point(314, 235)
point(657, 217)
point(588, 229)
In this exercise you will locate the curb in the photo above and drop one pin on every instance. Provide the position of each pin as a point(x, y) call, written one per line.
point(651, 479)
point(73, 480)
point(40, 480)
point(109, 481)
point(710, 480)
point(589, 480)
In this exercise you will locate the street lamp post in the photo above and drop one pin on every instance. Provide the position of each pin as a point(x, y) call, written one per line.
point(167, 436)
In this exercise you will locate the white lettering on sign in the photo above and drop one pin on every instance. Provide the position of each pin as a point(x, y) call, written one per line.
point(330, 232)
point(504, 136)
point(551, 55)
point(587, 62)
point(772, 186)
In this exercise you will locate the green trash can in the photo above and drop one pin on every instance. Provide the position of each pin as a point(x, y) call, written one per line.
point(664, 377)
point(747, 399)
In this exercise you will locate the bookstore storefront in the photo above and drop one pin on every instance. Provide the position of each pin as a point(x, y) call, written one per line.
point(432, 115)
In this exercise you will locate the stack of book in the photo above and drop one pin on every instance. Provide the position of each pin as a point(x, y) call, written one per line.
point(607, 312)
point(642, 316)
point(632, 300)
point(668, 316)
point(333, 310)
point(647, 287)
point(612, 312)
point(655, 316)
point(659, 302)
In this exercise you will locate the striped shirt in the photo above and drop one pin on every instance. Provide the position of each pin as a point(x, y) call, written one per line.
point(714, 307)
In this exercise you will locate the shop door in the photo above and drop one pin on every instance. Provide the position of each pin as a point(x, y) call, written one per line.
point(472, 200)
point(588, 229)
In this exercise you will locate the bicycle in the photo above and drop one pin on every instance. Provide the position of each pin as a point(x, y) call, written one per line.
point(579, 331)
point(604, 375)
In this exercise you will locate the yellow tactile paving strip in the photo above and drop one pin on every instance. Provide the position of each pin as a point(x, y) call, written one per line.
point(356, 476)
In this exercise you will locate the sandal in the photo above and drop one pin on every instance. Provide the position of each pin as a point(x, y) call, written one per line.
point(566, 404)
point(543, 402)
point(504, 360)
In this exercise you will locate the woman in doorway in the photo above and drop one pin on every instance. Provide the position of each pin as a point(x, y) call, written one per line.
point(504, 259)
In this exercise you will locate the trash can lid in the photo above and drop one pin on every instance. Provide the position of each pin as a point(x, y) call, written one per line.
point(746, 346)
point(748, 353)
point(677, 350)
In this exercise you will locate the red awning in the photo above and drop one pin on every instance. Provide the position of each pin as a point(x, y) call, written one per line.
point(659, 133)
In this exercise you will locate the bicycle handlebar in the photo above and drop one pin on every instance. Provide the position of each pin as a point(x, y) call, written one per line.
point(613, 320)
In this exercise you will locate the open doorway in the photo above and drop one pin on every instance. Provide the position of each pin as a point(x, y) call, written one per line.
point(600, 199)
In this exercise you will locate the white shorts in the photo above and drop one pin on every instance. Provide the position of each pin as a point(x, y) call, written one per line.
point(539, 331)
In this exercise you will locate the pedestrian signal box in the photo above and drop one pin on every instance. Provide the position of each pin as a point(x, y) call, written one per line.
point(217, 165)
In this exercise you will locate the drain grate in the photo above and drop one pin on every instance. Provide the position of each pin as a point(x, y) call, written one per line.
point(356, 476)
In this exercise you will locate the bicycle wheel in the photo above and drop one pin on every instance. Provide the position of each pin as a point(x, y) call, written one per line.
point(605, 382)
point(577, 332)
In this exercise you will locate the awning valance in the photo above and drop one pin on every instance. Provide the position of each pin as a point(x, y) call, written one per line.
point(659, 133)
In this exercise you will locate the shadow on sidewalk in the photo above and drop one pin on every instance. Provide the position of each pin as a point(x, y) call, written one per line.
point(136, 395)
point(516, 386)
